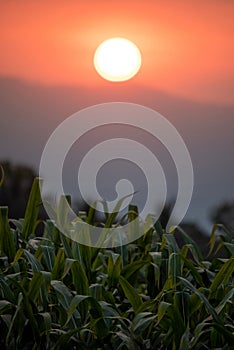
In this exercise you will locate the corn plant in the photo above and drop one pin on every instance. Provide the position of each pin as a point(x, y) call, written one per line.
point(56, 293)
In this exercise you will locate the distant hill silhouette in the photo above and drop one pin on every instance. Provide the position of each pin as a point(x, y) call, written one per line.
point(17, 184)
point(16, 187)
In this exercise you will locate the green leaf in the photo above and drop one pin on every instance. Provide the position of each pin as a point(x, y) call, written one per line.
point(224, 236)
point(86, 258)
point(91, 213)
point(6, 290)
point(63, 341)
point(130, 269)
point(114, 268)
point(79, 278)
point(64, 298)
point(184, 342)
point(63, 293)
point(78, 299)
point(192, 244)
point(95, 310)
point(193, 270)
point(58, 267)
point(171, 241)
point(36, 266)
point(35, 286)
point(112, 216)
point(66, 245)
point(195, 304)
point(17, 256)
point(62, 210)
point(20, 299)
point(223, 275)
point(7, 243)
point(49, 256)
point(224, 301)
point(134, 223)
point(5, 306)
point(228, 336)
point(174, 268)
point(44, 322)
point(229, 247)
point(30, 315)
point(130, 293)
point(142, 321)
point(163, 307)
point(203, 298)
point(159, 229)
point(32, 209)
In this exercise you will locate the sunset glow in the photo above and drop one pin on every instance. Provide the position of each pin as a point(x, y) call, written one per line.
point(186, 52)
point(117, 59)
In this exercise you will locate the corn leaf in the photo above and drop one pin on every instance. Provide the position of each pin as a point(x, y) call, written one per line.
point(7, 244)
point(32, 209)
point(130, 293)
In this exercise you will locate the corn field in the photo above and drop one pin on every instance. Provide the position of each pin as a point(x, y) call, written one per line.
point(58, 294)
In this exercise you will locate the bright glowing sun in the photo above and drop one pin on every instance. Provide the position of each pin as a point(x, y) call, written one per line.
point(117, 59)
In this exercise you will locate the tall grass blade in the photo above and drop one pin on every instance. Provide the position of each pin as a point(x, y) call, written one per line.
point(131, 294)
point(203, 298)
point(223, 275)
point(7, 243)
point(32, 210)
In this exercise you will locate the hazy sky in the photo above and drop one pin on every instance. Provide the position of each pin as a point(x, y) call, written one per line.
point(47, 73)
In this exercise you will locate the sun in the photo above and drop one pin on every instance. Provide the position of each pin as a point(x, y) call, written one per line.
point(117, 59)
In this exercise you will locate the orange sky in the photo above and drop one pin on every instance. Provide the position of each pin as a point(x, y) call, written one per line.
point(187, 46)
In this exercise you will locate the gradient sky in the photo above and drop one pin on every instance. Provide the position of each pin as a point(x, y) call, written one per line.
point(47, 73)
